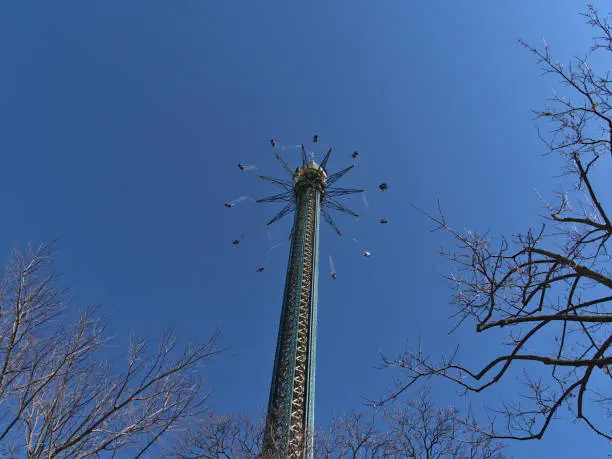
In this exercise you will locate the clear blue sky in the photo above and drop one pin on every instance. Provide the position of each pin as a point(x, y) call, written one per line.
point(122, 124)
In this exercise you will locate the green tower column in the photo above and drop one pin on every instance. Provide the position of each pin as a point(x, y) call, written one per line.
point(290, 420)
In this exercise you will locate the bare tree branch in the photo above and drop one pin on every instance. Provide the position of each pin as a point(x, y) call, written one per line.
point(556, 279)
point(416, 430)
point(60, 397)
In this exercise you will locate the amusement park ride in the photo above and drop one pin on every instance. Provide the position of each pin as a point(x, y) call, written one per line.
point(309, 192)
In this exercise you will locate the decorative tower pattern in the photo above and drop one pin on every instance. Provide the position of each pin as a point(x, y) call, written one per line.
point(290, 418)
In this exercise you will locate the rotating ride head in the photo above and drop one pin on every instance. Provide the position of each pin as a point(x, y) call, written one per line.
point(311, 175)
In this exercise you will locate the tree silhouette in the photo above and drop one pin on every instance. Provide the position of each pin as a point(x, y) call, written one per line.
point(59, 395)
point(553, 279)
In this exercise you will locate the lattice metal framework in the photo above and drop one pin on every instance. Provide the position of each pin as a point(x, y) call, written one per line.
point(290, 419)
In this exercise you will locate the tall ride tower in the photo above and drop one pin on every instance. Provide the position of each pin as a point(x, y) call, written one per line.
point(290, 418)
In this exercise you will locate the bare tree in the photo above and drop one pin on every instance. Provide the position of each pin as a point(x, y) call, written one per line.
point(551, 288)
point(420, 430)
point(59, 397)
point(416, 429)
point(354, 435)
point(215, 436)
